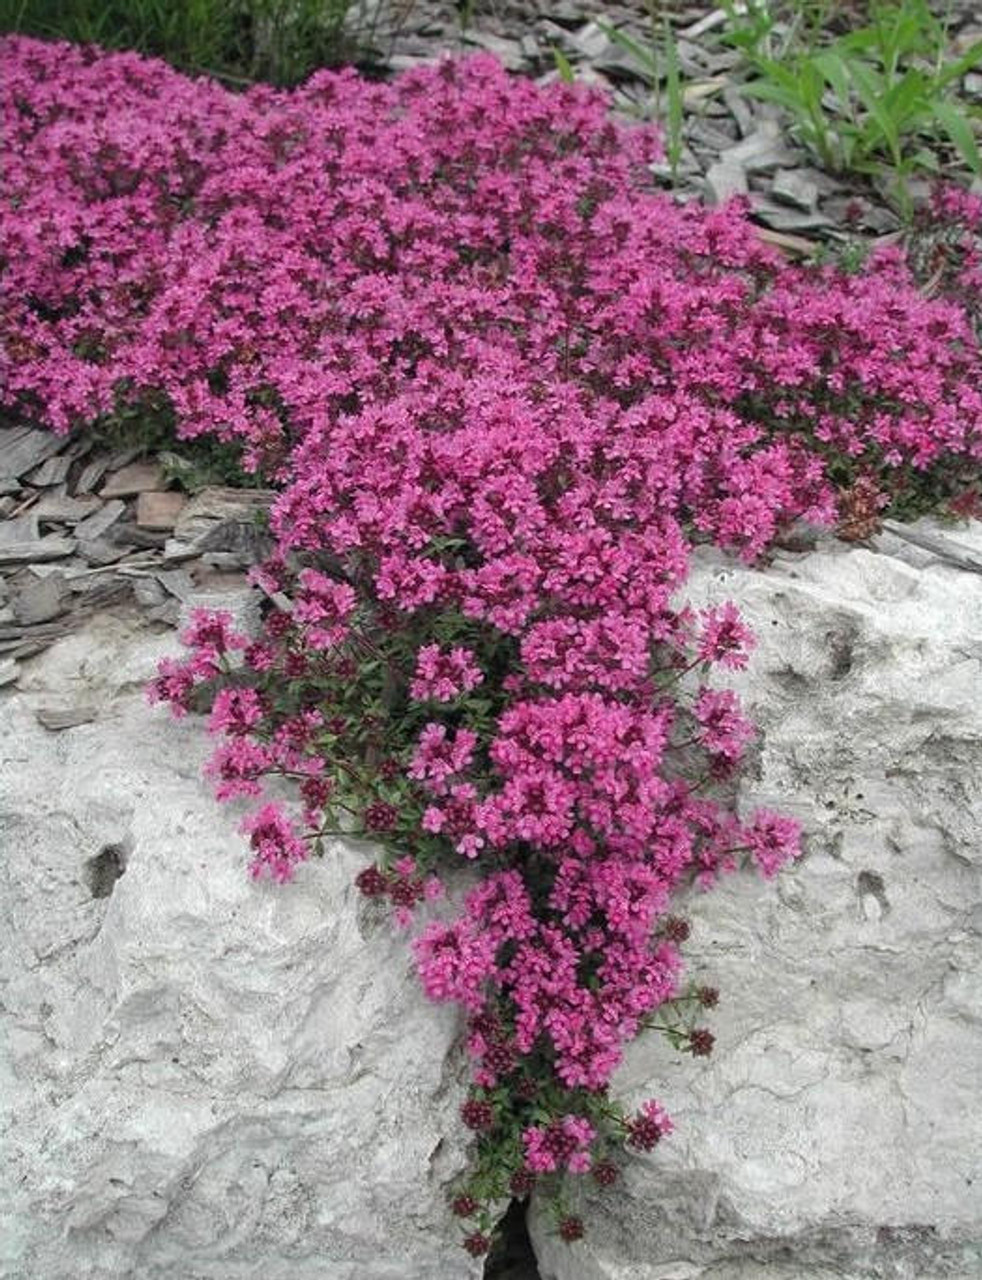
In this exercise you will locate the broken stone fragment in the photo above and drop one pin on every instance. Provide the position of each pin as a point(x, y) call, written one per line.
point(793, 187)
point(61, 509)
point(176, 551)
point(19, 529)
point(51, 472)
point(91, 474)
point(220, 519)
point(234, 597)
point(58, 718)
point(177, 582)
point(159, 511)
point(508, 52)
point(40, 600)
point(762, 151)
point(724, 181)
point(22, 448)
point(138, 477)
point(169, 612)
point(783, 218)
point(101, 520)
point(101, 551)
point(124, 457)
point(148, 593)
point(50, 548)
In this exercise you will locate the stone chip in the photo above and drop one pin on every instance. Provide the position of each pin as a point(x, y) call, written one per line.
point(159, 511)
point(136, 477)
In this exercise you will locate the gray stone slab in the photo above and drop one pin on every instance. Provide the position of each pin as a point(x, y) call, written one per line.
point(23, 528)
point(56, 719)
point(40, 600)
point(91, 474)
point(22, 448)
point(51, 472)
point(724, 181)
point(101, 551)
point(62, 509)
point(49, 548)
point(794, 187)
point(101, 521)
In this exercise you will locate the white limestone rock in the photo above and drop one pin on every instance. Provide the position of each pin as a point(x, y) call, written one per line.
point(202, 1078)
point(836, 1132)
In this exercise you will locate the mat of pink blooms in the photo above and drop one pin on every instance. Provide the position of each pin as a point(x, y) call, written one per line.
point(503, 385)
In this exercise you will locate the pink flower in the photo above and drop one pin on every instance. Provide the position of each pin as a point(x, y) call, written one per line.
point(277, 848)
point(724, 638)
point(722, 729)
point(235, 711)
point(773, 840)
point(443, 676)
point(454, 962)
point(440, 758)
point(564, 1143)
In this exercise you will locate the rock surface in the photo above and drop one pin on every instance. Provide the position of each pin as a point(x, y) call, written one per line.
point(202, 1078)
point(836, 1132)
point(208, 1079)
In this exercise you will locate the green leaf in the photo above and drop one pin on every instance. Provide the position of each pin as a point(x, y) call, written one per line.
point(907, 98)
point(870, 88)
point(834, 68)
point(566, 73)
point(924, 158)
point(673, 87)
point(955, 70)
point(960, 133)
point(775, 93)
point(642, 53)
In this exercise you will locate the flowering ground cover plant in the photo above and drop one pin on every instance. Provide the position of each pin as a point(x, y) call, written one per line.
point(503, 386)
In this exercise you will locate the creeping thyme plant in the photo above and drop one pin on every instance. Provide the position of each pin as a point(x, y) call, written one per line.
point(502, 386)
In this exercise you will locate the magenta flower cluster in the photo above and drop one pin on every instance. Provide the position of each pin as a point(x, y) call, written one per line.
point(503, 385)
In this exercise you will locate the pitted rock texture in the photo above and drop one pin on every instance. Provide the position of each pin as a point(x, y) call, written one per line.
point(836, 1131)
point(202, 1078)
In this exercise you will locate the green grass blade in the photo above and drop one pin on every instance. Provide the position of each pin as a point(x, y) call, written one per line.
point(642, 53)
point(566, 72)
point(960, 133)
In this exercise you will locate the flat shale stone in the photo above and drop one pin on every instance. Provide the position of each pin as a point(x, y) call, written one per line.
point(148, 593)
point(169, 613)
point(40, 600)
point(791, 186)
point(101, 521)
point(508, 52)
point(57, 718)
point(138, 477)
point(50, 548)
point(51, 472)
point(100, 551)
point(91, 474)
point(241, 601)
point(177, 582)
point(19, 529)
point(159, 511)
point(222, 519)
point(61, 509)
point(761, 152)
point(22, 448)
point(723, 181)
